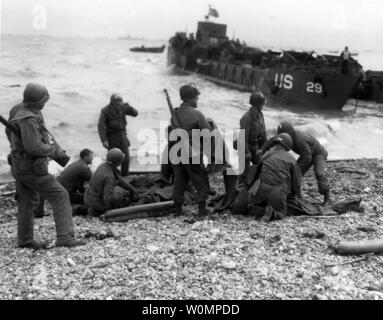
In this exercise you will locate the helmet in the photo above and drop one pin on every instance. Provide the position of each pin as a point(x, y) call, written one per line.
point(188, 92)
point(285, 140)
point(285, 127)
point(35, 95)
point(116, 98)
point(257, 99)
point(115, 157)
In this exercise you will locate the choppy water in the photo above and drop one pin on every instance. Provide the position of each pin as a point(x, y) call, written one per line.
point(81, 74)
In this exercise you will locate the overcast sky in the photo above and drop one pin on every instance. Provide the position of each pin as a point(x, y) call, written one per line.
point(328, 24)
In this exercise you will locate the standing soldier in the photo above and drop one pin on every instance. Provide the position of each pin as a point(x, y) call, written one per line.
point(39, 211)
point(311, 153)
point(345, 57)
point(112, 128)
point(29, 158)
point(187, 117)
point(253, 123)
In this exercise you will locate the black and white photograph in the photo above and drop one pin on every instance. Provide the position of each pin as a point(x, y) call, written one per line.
point(204, 152)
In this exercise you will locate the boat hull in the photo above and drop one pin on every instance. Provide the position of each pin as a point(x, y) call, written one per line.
point(283, 86)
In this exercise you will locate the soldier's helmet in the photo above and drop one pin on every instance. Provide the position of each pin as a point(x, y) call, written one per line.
point(285, 127)
point(116, 98)
point(257, 99)
point(188, 92)
point(115, 157)
point(35, 95)
point(285, 140)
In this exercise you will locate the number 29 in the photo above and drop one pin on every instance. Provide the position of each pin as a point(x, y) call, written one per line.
point(314, 87)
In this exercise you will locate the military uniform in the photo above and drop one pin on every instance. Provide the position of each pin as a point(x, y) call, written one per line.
point(112, 128)
point(39, 210)
point(253, 123)
point(278, 175)
point(73, 178)
point(101, 196)
point(311, 153)
point(190, 118)
point(29, 158)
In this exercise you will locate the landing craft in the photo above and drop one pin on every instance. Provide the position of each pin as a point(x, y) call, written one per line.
point(289, 78)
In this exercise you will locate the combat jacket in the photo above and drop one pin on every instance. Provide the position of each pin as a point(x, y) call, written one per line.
point(304, 145)
point(74, 176)
point(253, 123)
point(189, 118)
point(30, 153)
point(100, 194)
point(278, 167)
point(113, 119)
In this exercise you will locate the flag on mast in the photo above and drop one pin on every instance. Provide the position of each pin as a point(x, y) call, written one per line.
point(213, 12)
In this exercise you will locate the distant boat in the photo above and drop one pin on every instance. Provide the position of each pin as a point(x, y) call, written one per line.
point(289, 78)
point(149, 49)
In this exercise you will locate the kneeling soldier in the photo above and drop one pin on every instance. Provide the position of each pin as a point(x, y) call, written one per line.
point(100, 196)
point(76, 175)
point(311, 153)
point(277, 176)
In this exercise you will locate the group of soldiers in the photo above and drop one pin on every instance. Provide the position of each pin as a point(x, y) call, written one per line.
point(271, 172)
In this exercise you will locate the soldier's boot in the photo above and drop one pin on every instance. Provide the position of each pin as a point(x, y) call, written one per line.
point(203, 210)
point(34, 245)
point(178, 210)
point(269, 212)
point(327, 200)
point(71, 243)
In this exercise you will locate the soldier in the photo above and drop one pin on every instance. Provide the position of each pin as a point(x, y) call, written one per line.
point(101, 196)
point(311, 153)
point(112, 128)
point(187, 117)
point(29, 158)
point(75, 175)
point(39, 211)
point(277, 176)
point(345, 57)
point(253, 123)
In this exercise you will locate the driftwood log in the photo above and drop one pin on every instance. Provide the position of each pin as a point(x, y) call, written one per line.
point(138, 212)
point(359, 247)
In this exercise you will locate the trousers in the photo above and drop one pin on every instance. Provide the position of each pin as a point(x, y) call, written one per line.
point(197, 175)
point(28, 188)
point(319, 162)
point(274, 196)
point(120, 140)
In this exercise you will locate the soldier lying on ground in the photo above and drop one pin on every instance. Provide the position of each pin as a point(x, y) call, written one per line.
point(311, 153)
point(102, 195)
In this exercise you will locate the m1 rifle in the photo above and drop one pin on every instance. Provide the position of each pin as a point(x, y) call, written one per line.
point(62, 161)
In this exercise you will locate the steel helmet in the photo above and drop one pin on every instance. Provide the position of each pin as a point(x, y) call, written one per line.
point(188, 92)
point(35, 95)
point(115, 157)
point(257, 99)
point(116, 98)
point(285, 140)
point(285, 127)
